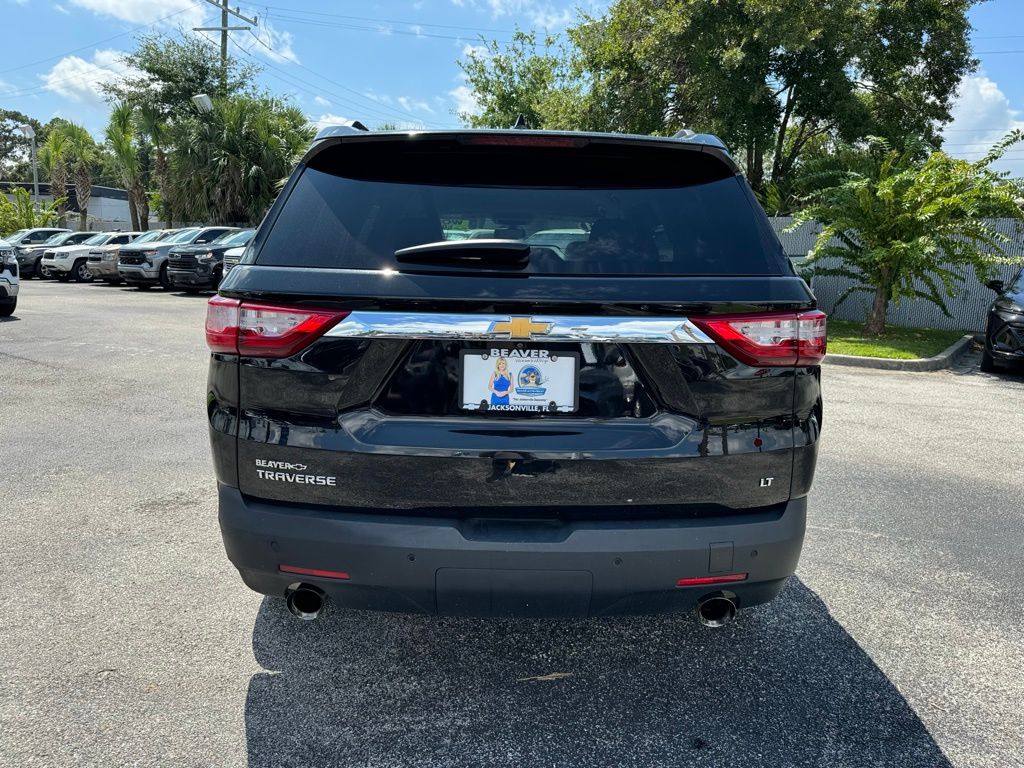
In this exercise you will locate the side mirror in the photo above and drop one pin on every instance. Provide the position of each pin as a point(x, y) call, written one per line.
point(996, 285)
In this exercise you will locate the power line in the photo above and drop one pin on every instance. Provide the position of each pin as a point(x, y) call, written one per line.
point(388, 21)
point(378, 110)
point(93, 45)
point(376, 105)
point(377, 30)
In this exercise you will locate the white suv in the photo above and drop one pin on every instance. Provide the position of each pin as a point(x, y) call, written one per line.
point(8, 279)
point(73, 260)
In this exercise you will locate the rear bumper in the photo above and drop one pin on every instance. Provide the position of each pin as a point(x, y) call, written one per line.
point(480, 566)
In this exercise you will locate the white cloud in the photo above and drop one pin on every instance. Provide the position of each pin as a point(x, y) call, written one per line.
point(79, 80)
point(475, 52)
point(982, 115)
point(540, 14)
point(465, 100)
point(61, 9)
point(328, 119)
point(277, 45)
point(383, 98)
point(187, 13)
point(414, 105)
point(417, 29)
point(321, 101)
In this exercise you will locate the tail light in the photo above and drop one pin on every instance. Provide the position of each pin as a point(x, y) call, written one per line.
point(263, 330)
point(773, 338)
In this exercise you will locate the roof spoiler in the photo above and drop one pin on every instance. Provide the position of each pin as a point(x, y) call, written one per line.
point(346, 128)
point(685, 134)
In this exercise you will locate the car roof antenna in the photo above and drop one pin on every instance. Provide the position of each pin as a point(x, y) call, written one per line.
point(521, 123)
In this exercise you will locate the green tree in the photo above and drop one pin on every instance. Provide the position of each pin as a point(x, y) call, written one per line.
point(172, 71)
point(123, 143)
point(523, 79)
point(80, 155)
point(909, 223)
point(15, 148)
point(157, 131)
point(23, 213)
point(53, 157)
point(770, 77)
point(228, 163)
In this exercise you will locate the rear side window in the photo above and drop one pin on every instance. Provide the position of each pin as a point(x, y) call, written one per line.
point(600, 210)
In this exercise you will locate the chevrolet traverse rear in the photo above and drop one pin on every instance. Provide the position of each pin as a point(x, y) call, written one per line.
point(405, 419)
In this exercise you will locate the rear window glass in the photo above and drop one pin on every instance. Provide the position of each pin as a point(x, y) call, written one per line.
point(625, 212)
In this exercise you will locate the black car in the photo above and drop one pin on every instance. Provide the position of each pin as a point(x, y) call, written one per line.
point(486, 427)
point(193, 267)
point(1004, 333)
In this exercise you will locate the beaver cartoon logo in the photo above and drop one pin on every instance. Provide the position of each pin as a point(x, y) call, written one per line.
point(528, 382)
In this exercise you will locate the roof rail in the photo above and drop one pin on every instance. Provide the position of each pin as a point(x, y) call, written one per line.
point(346, 128)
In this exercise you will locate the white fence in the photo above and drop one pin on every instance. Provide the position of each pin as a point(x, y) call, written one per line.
point(967, 308)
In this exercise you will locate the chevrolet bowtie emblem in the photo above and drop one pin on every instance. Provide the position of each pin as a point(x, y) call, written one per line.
point(519, 327)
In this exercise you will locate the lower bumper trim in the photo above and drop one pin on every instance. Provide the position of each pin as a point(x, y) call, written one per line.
point(406, 564)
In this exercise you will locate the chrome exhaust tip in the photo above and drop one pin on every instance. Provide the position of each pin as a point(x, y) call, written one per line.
point(305, 601)
point(716, 610)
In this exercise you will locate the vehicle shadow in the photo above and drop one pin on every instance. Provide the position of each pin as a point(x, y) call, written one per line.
point(783, 685)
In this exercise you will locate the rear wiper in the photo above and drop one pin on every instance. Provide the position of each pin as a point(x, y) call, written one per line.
point(467, 254)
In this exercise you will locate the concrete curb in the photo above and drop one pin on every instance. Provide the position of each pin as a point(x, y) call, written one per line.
point(942, 360)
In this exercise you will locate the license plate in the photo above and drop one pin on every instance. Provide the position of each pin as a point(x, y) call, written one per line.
point(528, 380)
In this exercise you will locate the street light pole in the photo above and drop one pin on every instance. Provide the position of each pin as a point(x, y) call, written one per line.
point(29, 132)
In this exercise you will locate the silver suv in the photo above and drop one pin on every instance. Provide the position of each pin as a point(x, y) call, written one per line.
point(145, 264)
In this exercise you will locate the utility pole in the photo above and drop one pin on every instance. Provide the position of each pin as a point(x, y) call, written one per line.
point(224, 29)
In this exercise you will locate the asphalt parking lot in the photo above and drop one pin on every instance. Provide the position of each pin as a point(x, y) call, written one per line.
point(128, 639)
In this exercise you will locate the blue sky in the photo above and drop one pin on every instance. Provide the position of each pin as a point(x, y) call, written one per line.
point(392, 60)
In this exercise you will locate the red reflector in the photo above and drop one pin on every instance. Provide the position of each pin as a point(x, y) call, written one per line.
point(698, 581)
point(313, 572)
point(502, 140)
point(263, 330)
point(770, 338)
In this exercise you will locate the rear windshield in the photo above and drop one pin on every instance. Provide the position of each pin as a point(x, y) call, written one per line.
point(603, 211)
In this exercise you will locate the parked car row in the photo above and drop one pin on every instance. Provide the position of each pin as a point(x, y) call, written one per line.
point(189, 258)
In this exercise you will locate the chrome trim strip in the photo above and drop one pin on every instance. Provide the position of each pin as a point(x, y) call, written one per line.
point(427, 325)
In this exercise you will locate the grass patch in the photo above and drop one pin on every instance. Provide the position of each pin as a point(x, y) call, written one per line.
point(847, 338)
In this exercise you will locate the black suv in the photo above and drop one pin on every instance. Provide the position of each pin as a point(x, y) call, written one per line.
point(406, 422)
point(193, 267)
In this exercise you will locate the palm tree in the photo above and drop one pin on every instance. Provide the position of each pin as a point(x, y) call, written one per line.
point(121, 139)
point(53, 158)
point(151, 123)
point(81, 155)
point(228, 162)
